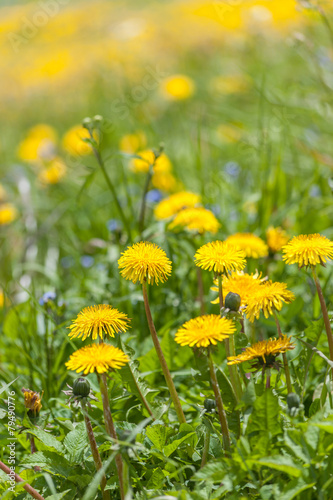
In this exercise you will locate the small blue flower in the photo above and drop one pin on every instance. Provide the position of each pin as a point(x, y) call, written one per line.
point(47, 297)
point(113, 224)
point(154, 196)
point(232, 168)
point(87, 261)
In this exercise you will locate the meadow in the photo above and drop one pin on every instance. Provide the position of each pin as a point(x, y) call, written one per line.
point(166, 242)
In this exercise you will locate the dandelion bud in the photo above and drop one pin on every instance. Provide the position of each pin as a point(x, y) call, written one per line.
point(98, 118)
point(81, 387)
point(232, 301)
point(86, 122)
point(209, 405)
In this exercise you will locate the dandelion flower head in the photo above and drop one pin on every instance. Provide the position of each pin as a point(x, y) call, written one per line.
point(268, 297)
point(264, 351)
point(220, 257)
point(276, 238)
point(178, 87)
point(245, 285)
point(145, 261)
point(95, 321)
point(197, 219)
point(308, 250)
point(175, 203)
point(98, 358)
point(8, 213)
point(205, 330)
point(147, 158)
point(252, 245)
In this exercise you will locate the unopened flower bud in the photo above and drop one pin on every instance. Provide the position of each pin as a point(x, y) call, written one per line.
point(209, 405)
point(232, 301)
point(81, 387)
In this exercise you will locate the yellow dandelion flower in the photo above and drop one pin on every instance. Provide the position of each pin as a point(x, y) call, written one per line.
point(164, 181)
point(308, 250)
point(73, 141)
point(53, 173)
point(220, 257)
point(2, 299)
point(195, 219)
point(130, 143)
point(8, 213)
point(32, 401)
point(252, 245)
point(177, 87)
point(175, 203)
point(276, 238)
point(145, 261)
point(205, 330)
point(39, 142)
point(267, 297)
point(264, 352)
point(98, 358)
point(96, 320)
point(245, 285)
point(147, 158)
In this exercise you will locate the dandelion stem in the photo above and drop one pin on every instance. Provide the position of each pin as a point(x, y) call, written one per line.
point(164, 366)
point(219, 404)
point(284, 356)
point(230, 351)
point(110, 429)
point(325, 313)
point(112, 188)
point(268, 378)
point(94, 450)
point(18, 479)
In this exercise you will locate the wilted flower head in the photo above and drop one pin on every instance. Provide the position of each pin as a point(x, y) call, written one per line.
point(204, 330)
point(98, 320)
point(264, 352)
point(197, 219)
point(144, 261)
point(308, 250)
point(220, 257)
point(252, 245)
point(268, 297)
point(32, 401)
point(98, 358)
point(276, 238)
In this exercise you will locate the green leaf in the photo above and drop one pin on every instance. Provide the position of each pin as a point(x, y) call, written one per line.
point(156, 480)
point(47, 439)
point(185, 434)
point(58, 496)
point(49, 461)
point(158, 435)
point(76, 443)
point(265, 415)
point(294, 488)
point(281, 463)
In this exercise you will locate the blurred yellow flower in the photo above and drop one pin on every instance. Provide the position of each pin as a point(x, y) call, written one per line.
point(53, 173)
point(241, 283)
point(230, 84)
point(195, 219)
point(177, 87)
point(252, 245)
point(147, 158)
point(131, 143)
point(175, 203)
point(229, 132)
point(308, 250)
point(220, 257)
point(268, 297)
point(98, 358)
point(205, 330)
point(164, 181)
point(98, 320)
point(2, 299)
point(8, 213)
point(40, 142)
point(73, 141)
point(264, 351)
point(145, 261)
point(276, 238)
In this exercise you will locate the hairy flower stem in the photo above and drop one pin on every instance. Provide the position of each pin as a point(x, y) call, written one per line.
point(18, 479)
point(325, 313)
point(284, 356)
point(94, 450)
point(230, 350)
point(164, 366)
point(219, 405)
point(110, 429)
point(205, 448)
point(111, 187)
